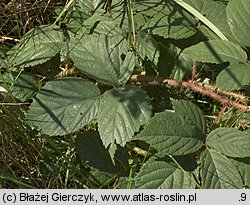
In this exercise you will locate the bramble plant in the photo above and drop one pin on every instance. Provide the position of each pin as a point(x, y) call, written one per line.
point(155, 93)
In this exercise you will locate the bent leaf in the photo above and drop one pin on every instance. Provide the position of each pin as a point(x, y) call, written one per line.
point(63, 106)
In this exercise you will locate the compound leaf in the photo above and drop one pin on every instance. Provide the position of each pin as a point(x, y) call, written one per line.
point(191, 112)
point(243, 165)
point(214, 11)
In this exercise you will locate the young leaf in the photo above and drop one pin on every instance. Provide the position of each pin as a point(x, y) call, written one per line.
point(37, 46)
point(216, 51)
point(238, 16)
point(162, 172)
point(103, 57)
point(230, 142)
point(64, 105)
point(177, 133)
point(218, 172)
point(122, 112)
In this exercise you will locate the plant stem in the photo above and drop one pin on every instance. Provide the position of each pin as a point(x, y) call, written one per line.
point(132, 22)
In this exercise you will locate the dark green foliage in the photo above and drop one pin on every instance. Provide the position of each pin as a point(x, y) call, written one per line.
point(104, 101)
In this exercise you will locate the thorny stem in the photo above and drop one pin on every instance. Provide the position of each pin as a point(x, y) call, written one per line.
point(193, 86)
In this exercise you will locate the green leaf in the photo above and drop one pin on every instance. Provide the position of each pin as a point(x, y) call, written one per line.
point(78, 12)
point(177, 63)
point(104, 58)
point(216, 51)
point(235, 76)
point(230, 142)
point(243, 165)
point(146, 47)
point(91, 5)
point(238, 17)
point(37, 46)
point(98, 179)
point(122, 112)
point(97, 24)
point(215, 12)
point(201, 18)
point(191, 112)
point(166, 19)
point(218, 172)
point(178, 133)
point(23, 86)
point(64, 105)
point(182, 66)
point(3, 52)
point(119, 14)
point(91, 150)
point(162, 172)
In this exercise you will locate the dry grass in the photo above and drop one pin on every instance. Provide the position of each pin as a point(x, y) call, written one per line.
point(17, 17)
